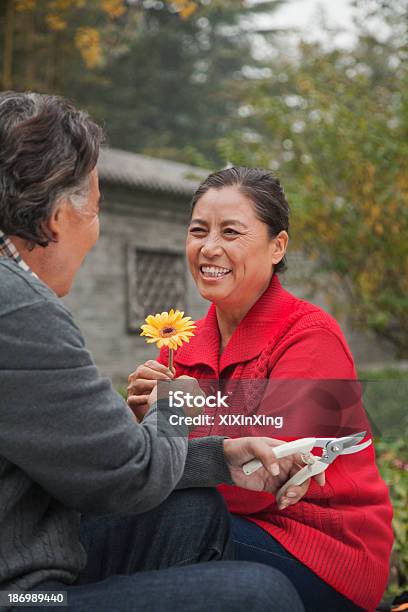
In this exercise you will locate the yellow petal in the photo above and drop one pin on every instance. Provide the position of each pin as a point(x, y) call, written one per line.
point(149, 329)
point(153, 321)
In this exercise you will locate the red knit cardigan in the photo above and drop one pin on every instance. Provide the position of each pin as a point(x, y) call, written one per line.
point(342, 531)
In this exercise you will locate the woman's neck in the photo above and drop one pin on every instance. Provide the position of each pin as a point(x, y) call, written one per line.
point(229, 318)
point(227, 323)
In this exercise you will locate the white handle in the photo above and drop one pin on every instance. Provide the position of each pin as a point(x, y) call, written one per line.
point(304, 445)
point(300, 477)
point(251, 467)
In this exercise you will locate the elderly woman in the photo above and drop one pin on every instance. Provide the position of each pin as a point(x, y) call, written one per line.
point(334, 543)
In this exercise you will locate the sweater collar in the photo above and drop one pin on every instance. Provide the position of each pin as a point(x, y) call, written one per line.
point(249, 338)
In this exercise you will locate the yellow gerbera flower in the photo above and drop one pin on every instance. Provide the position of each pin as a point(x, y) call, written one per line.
point(169, 329)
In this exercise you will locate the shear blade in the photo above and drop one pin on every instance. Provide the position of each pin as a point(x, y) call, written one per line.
point(350, 441)
point(355, 449)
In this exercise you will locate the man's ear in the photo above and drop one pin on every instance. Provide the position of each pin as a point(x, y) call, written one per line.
point(281, 244)
point(55, 223)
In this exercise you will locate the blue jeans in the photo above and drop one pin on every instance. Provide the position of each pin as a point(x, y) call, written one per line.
point(252, 543)
point(174, 557)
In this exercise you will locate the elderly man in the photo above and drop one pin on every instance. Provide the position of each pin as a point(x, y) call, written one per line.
point(70, 445)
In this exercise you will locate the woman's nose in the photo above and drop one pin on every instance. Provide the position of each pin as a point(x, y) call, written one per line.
point(211, 247)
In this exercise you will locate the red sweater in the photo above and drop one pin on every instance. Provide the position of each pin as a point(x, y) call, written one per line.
point(341, 531)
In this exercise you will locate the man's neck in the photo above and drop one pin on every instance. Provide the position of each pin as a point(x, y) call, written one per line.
point(38, 261)
point(21, 246)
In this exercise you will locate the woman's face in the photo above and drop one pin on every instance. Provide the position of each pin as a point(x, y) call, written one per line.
point(229, 251)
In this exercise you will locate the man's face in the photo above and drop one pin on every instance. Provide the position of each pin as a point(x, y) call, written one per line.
point(79, 233)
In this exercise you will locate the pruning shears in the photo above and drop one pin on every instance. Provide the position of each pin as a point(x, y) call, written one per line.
point(314, 464)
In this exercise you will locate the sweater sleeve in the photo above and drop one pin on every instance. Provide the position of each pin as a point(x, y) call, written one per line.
point(64, 425)
point(205, 465)
point(313, 387)
point(313, 353)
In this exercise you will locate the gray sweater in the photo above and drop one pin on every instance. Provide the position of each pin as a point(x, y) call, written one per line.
point(69, 444)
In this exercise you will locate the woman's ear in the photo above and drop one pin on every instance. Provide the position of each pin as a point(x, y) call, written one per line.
point(280, 246)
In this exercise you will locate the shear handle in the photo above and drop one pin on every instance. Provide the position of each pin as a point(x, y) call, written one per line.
point(301, 476)
point(303, 445)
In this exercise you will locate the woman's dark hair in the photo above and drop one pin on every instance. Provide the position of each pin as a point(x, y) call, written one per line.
point(47, 150)
point(262, 188)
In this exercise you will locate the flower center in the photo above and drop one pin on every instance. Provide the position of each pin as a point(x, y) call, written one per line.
point(167, 331)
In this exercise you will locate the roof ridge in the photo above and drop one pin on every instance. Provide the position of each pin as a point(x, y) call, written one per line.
point(150, 173)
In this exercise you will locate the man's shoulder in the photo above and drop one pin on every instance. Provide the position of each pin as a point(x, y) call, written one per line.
point(19, 289)
point(36, 329)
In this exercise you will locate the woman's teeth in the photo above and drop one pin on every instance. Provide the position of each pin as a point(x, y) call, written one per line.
point(214, 271)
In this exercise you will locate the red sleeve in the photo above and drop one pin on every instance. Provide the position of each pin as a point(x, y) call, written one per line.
point(312, 386)
point(313, 353)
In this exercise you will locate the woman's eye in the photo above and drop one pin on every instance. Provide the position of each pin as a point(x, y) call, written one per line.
point(231, 232)
point(197, 230)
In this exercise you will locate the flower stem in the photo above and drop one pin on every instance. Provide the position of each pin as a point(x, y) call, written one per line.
point(170, 359)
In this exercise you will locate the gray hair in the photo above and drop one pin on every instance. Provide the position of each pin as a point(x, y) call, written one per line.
point(47, 150)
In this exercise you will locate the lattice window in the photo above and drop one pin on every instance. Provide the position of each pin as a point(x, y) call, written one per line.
point(156, 282)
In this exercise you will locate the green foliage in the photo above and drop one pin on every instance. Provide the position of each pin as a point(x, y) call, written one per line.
point(180, 83)
point(335, 123)
point(123, 392)
point(165, 78)
point(392, 461)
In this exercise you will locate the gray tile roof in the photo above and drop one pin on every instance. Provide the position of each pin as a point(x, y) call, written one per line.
point(150, 173)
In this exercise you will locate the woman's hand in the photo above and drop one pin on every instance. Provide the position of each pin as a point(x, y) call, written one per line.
point(273, 475)
point(142, 382)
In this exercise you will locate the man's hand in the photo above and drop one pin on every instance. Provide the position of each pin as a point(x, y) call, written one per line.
point(272, 475)
point(142, 382)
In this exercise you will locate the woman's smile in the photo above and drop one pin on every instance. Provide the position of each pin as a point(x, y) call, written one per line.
point(213, 273)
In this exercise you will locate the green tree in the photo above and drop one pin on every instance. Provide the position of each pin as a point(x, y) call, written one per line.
point(177, 86)
point(44, 41)
point(336, 124)
point(166, 78)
